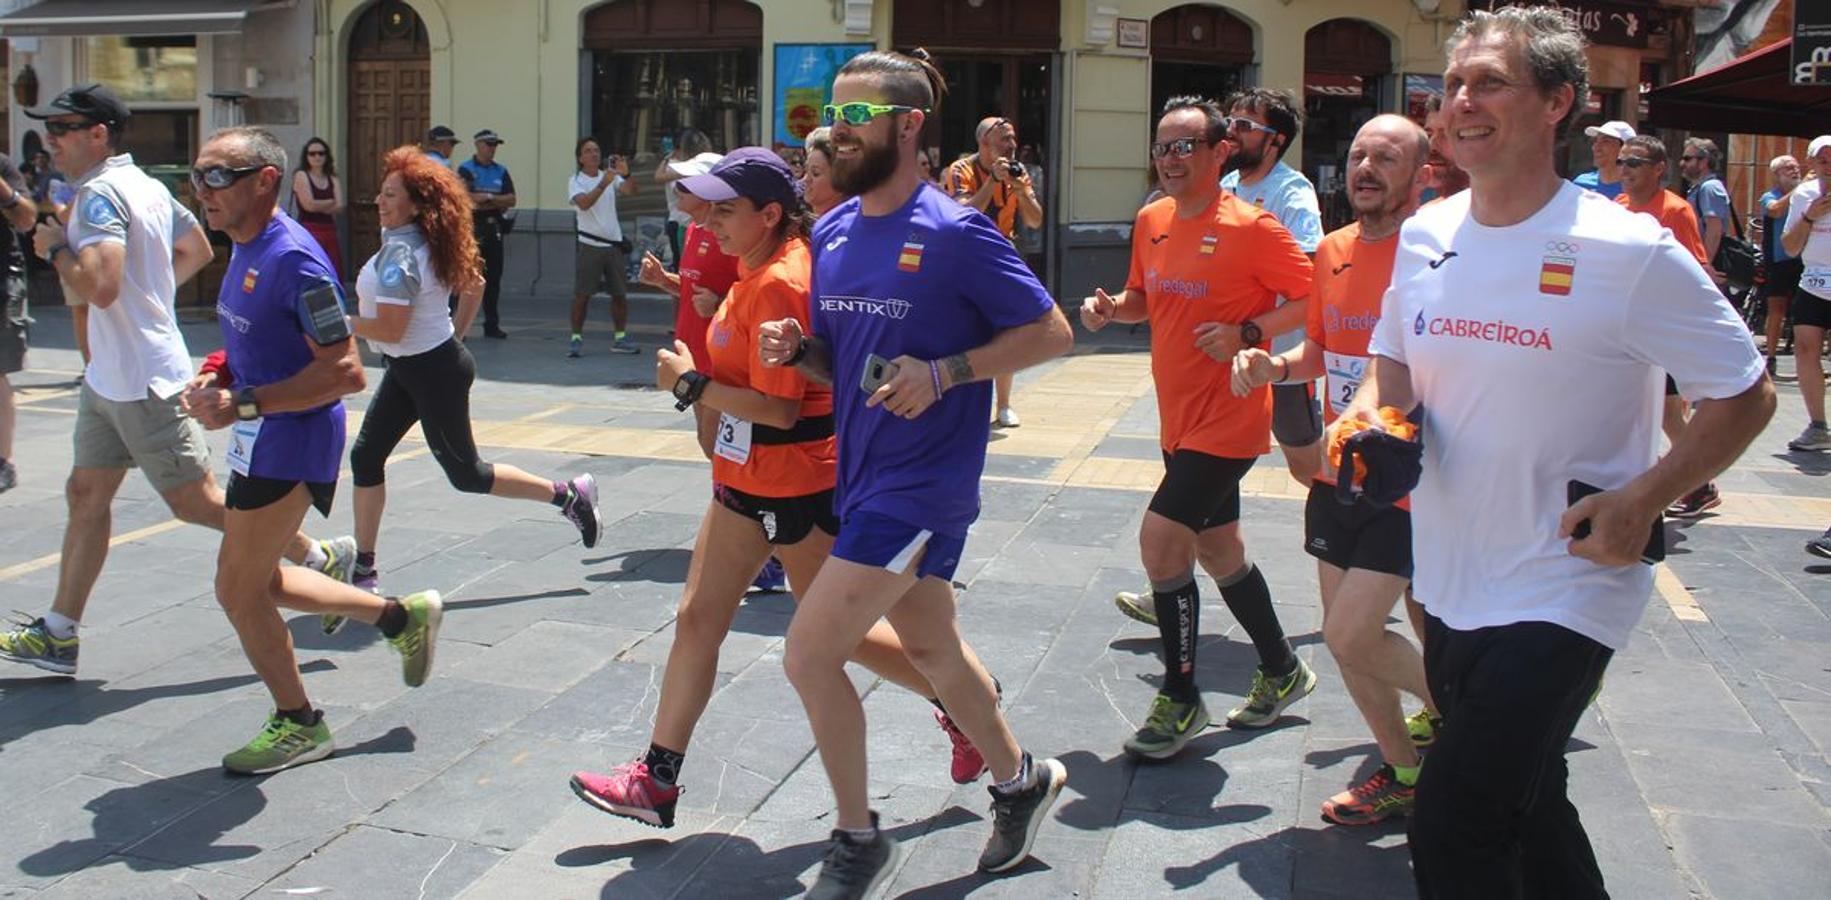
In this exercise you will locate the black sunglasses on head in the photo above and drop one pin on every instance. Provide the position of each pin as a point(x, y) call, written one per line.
point(217, 178)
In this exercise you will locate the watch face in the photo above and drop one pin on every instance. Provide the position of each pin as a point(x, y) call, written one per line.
point(682, 386)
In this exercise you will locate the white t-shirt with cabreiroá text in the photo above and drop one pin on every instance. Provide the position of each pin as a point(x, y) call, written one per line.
point(1538, 352)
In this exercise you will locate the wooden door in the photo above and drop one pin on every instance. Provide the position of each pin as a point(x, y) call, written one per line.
point(389, 104)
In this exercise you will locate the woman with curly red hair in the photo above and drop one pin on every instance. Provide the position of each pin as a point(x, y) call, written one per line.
point(403, 309)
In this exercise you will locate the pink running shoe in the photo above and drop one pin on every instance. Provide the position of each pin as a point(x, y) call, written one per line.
point(968, 764)
point(630, 791)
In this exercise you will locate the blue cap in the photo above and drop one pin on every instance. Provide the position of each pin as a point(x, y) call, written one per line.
point(756, 173)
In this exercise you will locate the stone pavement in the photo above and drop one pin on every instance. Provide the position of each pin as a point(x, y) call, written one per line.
point(1702, 771)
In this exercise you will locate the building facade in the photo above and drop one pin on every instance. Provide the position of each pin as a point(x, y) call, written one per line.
point(1079, 78)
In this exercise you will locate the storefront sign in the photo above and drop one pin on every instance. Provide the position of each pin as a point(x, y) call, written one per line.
point(804, 83)
point(1135, 33)
point(1613, 24)
point(1811, 44)
point(1418, 91)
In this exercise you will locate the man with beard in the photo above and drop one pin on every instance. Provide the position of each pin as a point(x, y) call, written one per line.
point(993, 182)
point(917, 303)
point(1527, 323)
point(1207, 269)
point(1261, 125)
point(1363, 551)
point(1446, 177)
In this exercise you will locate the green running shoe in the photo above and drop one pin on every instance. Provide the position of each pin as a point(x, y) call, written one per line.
point(32, 643)
point(1269, 697)
point(1140, 607)
point(1422, 726)
point(340, 564)
point(1169, 728)
point(417, 640)
point(282, 744)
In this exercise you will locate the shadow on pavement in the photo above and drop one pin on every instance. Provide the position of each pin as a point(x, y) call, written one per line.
point(725, 864)
point(83, 701)
point(129, 816)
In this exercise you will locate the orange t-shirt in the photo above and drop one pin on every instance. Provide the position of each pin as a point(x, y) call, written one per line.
point(963, 180)
point(1228, 264)
point(1674, 212)
point(1351, 280)
point(776, 290)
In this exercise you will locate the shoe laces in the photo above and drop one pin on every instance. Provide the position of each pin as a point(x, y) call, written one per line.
point(277, 730)
point(410, 639)
point(1162, 717)
point(1373, 786)
point(1263, 691)
point(842, 859)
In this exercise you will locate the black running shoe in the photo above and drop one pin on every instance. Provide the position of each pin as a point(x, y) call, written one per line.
point(581, 508)
point(852, 870)
point(1015, 817)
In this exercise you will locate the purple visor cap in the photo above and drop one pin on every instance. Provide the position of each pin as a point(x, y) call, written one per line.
point(756, 173)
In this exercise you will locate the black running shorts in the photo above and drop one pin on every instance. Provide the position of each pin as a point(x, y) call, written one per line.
point(785, 520)
point(251, 492)
point(1811, 310)
point(1356, 536)
point(1200, 491)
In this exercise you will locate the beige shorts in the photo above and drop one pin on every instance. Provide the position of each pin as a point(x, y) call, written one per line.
point(153, 434)
point(599, 269)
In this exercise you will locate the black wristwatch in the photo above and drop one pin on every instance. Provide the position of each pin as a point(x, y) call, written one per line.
point(688, 388)
point(247, 408)
point(1251, 334)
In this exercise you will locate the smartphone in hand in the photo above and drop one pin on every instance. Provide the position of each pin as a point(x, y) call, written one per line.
point(877, 371)
point(1655, 549)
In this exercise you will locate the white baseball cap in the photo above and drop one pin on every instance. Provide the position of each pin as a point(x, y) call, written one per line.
point(1618, 130)
point(1818, 143)
point(698, 165)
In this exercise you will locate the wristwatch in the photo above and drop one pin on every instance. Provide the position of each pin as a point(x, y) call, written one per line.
point(247, 408)
point(1251, 334)
point(688, 388)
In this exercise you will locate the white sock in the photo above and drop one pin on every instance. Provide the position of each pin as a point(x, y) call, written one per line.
point(315, 556)
point(61, 626)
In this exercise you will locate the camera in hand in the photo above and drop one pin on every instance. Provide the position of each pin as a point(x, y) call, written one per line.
point(1017, 170)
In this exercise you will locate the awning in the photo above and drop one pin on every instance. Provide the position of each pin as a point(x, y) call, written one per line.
point(1750, 95)
point(87, 18)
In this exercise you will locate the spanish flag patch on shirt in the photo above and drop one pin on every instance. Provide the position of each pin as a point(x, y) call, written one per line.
point(910, 259)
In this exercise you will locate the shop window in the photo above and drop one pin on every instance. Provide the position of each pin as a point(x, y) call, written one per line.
point(642, 101)
point(145, 69)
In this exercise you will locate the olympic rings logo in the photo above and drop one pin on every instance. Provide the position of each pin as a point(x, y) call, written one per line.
point(1562, 246)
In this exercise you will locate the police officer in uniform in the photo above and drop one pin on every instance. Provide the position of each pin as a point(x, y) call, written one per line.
point(492, 194)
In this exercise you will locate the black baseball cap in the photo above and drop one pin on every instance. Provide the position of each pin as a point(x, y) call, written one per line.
point(488, 136)
point(91, 101)
point(439, 133)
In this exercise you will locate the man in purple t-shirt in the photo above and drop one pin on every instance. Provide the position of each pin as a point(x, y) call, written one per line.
point(292, 358)
point(917, 302)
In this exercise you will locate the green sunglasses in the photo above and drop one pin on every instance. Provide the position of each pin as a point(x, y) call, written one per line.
point(860, 112)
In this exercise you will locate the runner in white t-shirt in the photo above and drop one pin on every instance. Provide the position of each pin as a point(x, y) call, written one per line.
point(1532, 320)
point(1807, 235)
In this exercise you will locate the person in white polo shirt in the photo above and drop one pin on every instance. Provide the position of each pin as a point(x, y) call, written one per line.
point(1532, 323)
point(127, 247)
point(1605, 143)
point(1808, 237)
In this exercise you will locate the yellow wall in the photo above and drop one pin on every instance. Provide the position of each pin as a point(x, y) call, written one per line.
point(514, 66)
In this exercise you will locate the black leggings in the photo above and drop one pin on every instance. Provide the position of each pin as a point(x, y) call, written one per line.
point(433, 389)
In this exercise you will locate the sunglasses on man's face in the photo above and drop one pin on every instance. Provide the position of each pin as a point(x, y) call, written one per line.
point(217, 178)
point(1689, 158)
point(1634, 162)
point(1181, 148)
point(858, 112)
point(1237, 124)
point(59, 129)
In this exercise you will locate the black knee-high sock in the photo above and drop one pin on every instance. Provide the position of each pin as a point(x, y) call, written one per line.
point(1249, 598)
point(1178, 619)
